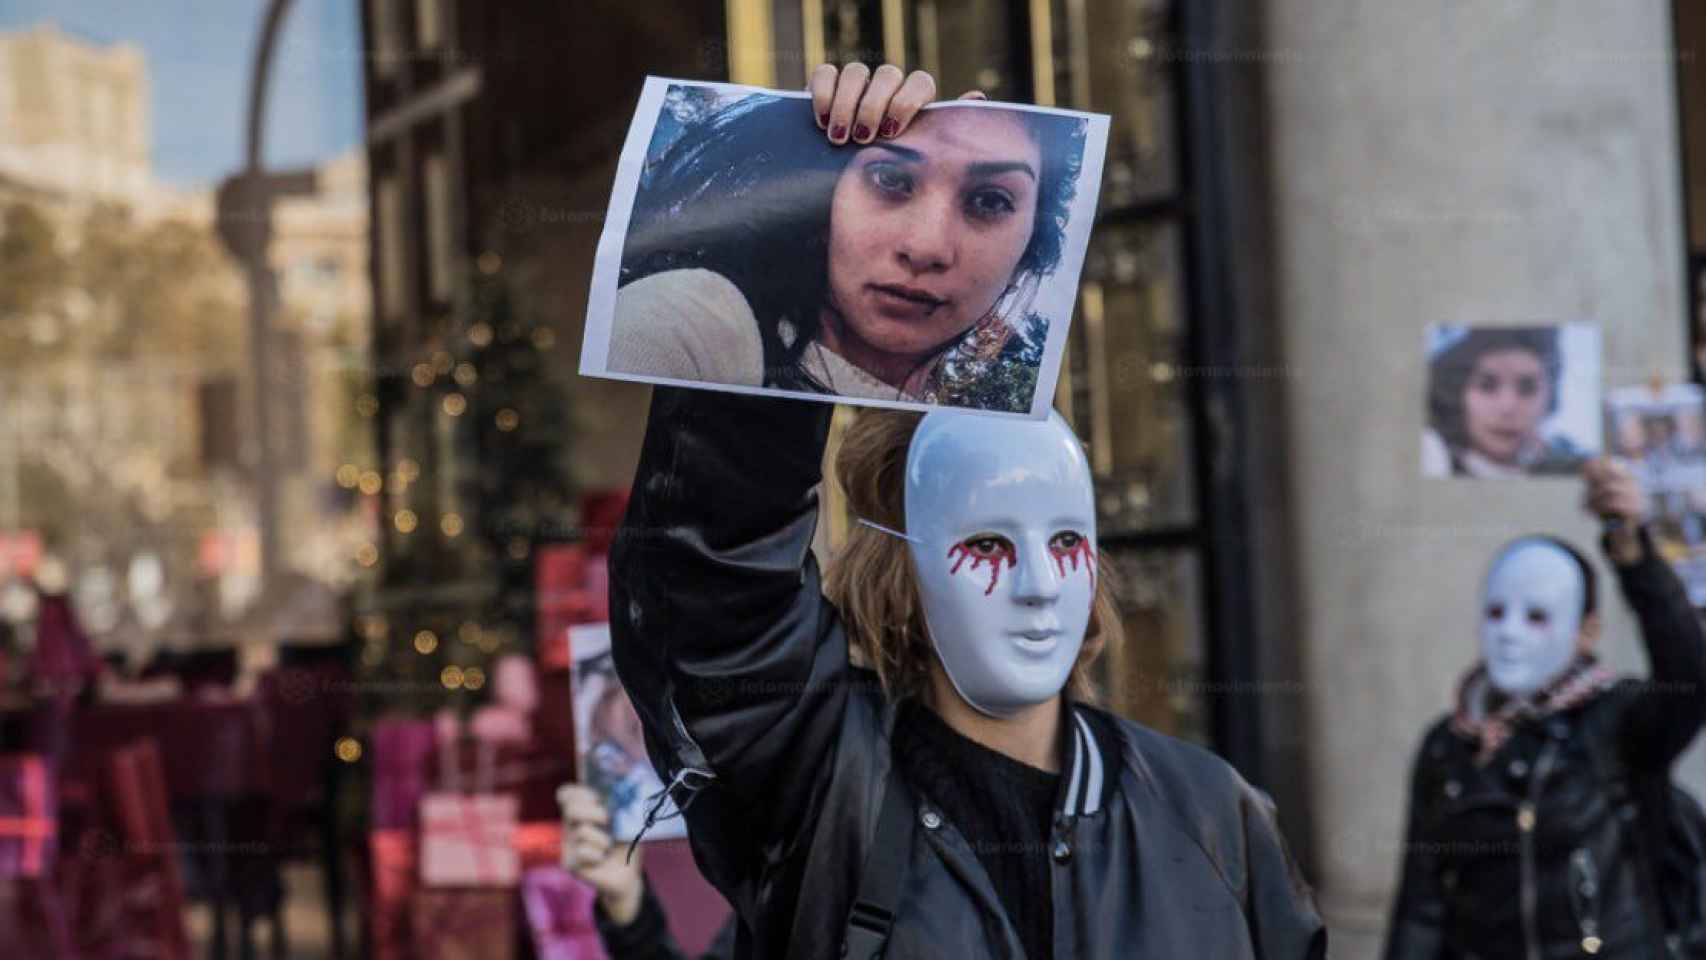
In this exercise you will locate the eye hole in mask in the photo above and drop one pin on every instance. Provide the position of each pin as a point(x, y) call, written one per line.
point(982, 549)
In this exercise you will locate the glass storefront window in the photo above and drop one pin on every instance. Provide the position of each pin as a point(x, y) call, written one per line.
point(1157, 675)
point(1128, 379)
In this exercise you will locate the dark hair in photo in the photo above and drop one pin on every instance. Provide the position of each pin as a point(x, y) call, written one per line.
point(1451, 368)
point(746, 190)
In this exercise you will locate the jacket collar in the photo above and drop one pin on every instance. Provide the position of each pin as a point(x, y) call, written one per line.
point(1093, 760)
point(1489, 725)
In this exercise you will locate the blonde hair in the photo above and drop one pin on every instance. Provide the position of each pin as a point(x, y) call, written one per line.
point(872, 580)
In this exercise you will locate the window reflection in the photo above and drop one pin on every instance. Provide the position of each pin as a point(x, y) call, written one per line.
point(1128, 379)
point(1157, 675)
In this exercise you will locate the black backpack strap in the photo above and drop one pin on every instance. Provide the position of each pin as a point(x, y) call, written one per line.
point(883, 877)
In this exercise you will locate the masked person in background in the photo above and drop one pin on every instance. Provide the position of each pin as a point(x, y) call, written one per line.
point(964, 798)
point(1543, 822)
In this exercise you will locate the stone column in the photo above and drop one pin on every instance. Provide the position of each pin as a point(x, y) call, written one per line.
point(1495, 161)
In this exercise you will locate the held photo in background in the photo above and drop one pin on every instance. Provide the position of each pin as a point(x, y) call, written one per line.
point(938, 267)
point(1511, 401)
point(1662, 435)
point(610, 743)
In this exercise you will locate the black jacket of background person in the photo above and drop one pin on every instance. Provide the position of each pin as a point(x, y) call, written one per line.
point(739, 666)
point(647, 936)
point(1475, 883)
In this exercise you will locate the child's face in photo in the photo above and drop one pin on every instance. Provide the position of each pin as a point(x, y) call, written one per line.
point(927, 229)
point(1630, 437)
point(1504, 402)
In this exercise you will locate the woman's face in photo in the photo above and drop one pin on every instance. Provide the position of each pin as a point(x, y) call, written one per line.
point(1504, 402)
point(927, 229)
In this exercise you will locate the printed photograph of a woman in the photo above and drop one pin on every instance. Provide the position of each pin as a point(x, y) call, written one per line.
point(1511, 401)
point(899, 264)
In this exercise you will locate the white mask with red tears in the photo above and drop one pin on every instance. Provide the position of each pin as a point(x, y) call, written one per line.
point(1001, 523)
point(1531, 615)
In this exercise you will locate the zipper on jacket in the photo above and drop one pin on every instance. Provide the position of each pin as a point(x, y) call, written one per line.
point(1525, 817)
point(1584, 898)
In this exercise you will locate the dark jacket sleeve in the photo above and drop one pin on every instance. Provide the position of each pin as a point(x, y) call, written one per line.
point(1284, 922)
point(1416, 930)
point(646, 938)
point(735, 661)
point(1667, 710)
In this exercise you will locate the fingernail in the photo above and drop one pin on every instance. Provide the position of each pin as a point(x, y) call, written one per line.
point(888, 127)
point(838, 132)
point(861, 133)
point(823, 119)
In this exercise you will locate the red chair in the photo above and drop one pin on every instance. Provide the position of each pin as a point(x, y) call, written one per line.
point(153, 903)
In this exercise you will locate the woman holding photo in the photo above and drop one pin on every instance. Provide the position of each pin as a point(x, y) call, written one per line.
point(1489, 390)
point(1543, 821)
point(897, 258)
point(963, 797)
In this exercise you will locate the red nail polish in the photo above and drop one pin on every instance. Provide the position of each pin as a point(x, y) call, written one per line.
point(823, 119)
point(888, 127)
point(861, 132)
point(839, 132)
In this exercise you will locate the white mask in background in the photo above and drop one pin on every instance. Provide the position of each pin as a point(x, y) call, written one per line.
point(1531, 614)
point(1002, 525)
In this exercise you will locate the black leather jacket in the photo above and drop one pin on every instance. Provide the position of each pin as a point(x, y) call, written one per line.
point(1539, 853)
point(779, 749)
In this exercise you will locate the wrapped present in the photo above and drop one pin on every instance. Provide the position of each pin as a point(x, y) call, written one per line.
point(28, 830)
point(392, 856)
point(571, 586)
point(464, 924)
point(539, 843)
point(401, 750)
point(465, 840)
point(559, 915)
point(466, 828)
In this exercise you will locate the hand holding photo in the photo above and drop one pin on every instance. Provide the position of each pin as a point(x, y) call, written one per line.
point(747, 249)
point(1511, 401)
point(609, 742)
point(1662, 435)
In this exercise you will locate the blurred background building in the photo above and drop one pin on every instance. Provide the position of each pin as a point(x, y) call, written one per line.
point(1294, 190)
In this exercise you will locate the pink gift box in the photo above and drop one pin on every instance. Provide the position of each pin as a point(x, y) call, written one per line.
point(466, 840)
point(559, 915)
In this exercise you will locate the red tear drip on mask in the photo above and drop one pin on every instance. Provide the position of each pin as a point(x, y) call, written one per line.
point(994, 563)
point(1079, 549)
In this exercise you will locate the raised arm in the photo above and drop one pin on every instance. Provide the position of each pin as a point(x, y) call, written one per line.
point(1670, 706)
point(1667, 710)
point(732, 656)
